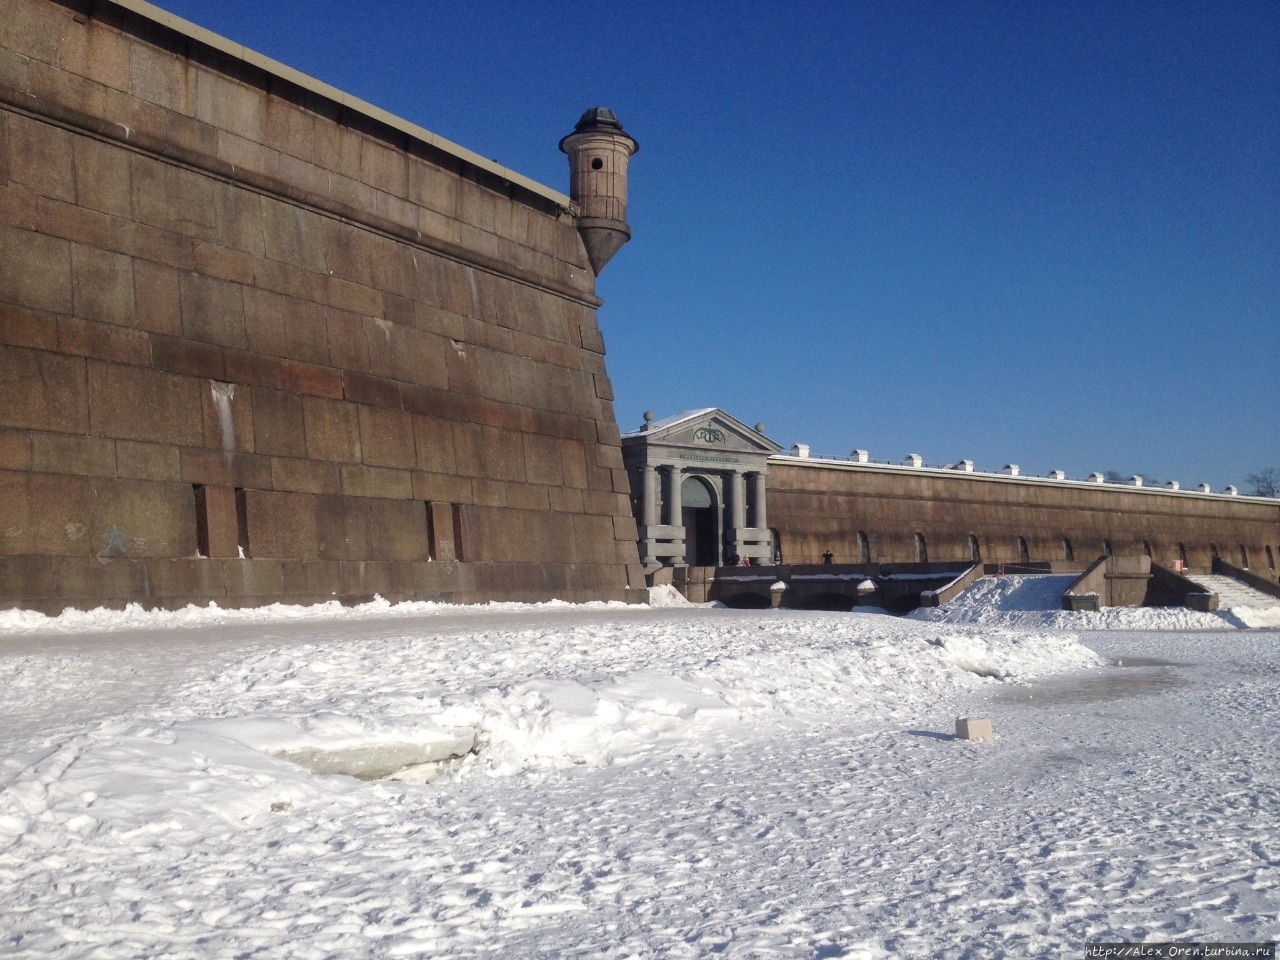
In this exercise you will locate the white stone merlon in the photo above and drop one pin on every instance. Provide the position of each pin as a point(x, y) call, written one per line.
point(1173, 485)
point(1205, 488)
point(1135, 481)
point(913, 460)
point(859, 456)
point(800, 450)
point(1097, 478)
point(1230, 490)
point(1057, 475)
point(965, 466)
point(1010, 470)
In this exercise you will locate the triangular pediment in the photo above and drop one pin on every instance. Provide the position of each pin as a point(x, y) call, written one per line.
point(710, 429)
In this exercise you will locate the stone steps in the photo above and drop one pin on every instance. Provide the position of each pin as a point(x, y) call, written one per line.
point(1233, 593)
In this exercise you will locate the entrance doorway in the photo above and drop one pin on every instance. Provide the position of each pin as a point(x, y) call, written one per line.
point(698, 514)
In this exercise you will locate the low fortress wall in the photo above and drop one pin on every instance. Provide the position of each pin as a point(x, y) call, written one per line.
point(260, 341)
point(866, 513)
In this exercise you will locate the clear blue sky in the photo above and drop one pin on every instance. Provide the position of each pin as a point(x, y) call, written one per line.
point(1029, 232)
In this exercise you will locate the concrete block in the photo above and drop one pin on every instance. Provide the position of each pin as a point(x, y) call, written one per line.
point(973, 728)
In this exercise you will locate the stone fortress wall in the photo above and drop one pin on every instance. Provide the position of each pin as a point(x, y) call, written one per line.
point(874, 513)
point(260, 341)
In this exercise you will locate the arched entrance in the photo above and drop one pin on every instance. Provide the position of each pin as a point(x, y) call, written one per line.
point(698, 514)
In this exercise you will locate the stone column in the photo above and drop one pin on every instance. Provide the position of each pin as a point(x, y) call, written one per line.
point(675, 513)
point(646, 495)
point(760, 519)
point(739, 497)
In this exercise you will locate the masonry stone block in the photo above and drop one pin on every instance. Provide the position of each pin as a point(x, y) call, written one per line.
point(15, 450)
point(366, 481)
point(305, 476)
point(133, 403)
point(310, 380)
point(28, 328)
point(278, 424)
point(70, 453)
point(332, 430)
point(387, 437)
point(217, 517)
point(213, 311)
point(342, 528)
point(973, 728)
point(282, 525)
point(102, 341)
point(42, 391)
point(262, 579)
point(102, 177)
point(144, 519)
point(398, 529)
point(177, 200)
point(35, 270)
point(156, 298)
point(433, 440)
point(442, 487)
point(41, 158)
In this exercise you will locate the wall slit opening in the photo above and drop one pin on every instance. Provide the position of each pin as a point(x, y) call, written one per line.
point(202, 520)
point(242, 523)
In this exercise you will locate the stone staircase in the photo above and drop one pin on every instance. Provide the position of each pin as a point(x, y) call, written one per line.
point(1233, 593)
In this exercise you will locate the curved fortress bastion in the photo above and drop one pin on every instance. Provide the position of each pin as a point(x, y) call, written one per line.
point(262, 341)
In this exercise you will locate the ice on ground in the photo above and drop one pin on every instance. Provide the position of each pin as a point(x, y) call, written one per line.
point(619, 781)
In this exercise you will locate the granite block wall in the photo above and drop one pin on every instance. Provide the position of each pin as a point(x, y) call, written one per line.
point(259, 343)
point(815, 507)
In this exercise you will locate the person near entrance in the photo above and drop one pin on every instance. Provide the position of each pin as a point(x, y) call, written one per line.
point(827, 556)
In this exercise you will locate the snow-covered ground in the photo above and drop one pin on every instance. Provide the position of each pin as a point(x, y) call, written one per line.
point(1035, 602)
point(641, 782)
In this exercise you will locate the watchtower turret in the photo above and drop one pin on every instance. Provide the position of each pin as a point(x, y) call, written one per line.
point(598, 156)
